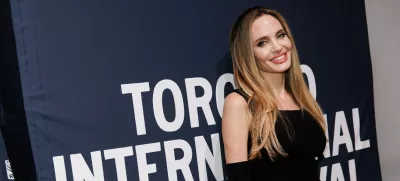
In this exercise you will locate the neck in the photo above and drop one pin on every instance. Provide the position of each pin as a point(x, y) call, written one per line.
point(277, 82)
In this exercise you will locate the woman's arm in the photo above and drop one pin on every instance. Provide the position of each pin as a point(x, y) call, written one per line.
point(234, 135)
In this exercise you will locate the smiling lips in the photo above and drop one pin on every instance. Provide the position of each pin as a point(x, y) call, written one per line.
point(279, 58)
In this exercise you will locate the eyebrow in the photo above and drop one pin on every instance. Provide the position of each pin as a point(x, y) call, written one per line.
point(266, 37)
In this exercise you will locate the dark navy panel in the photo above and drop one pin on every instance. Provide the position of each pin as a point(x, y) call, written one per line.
point(74, 56)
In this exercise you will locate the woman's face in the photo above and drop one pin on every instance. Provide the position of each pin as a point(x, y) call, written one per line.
point(271, 46)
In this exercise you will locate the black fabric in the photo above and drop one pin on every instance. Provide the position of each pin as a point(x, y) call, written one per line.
point(238, 171)
point(13, 120)
point(301, 137)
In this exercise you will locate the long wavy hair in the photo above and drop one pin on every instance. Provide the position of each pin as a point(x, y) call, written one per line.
point(262, 103)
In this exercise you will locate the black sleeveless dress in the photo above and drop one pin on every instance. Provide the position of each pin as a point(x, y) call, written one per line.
point(304, 143)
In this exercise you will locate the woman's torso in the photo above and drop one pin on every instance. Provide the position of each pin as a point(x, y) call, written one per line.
point(301, 136)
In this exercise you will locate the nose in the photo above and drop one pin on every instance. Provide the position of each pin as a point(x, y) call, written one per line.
point(276, 47)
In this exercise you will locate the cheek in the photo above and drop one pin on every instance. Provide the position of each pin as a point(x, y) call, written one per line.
point(287, 44)
point(261, 54)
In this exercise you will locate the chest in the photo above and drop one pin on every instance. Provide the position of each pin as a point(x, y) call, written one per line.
point(300, 135)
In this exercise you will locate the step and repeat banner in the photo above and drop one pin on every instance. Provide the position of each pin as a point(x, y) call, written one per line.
point(118, 90)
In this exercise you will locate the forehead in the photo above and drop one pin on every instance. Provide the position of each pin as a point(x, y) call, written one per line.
point(265, 25)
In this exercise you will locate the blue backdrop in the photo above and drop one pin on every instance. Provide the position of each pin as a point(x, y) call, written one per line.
point(133, 90)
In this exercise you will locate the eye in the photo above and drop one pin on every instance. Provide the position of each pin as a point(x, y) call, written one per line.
point(261, 43)
point(281, 35)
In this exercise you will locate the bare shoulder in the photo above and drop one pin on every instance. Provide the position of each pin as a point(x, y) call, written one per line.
point(235, 128)
point(235, 110)
point(235, 101)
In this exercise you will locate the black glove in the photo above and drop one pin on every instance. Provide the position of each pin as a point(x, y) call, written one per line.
point(238, 171)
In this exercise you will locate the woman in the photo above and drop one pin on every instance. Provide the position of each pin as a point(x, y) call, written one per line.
point(272, 128)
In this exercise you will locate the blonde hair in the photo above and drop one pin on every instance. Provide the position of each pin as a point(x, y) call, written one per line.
point(262, 102)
